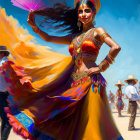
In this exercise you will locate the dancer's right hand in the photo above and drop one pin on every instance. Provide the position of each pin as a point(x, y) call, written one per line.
point(31, 19)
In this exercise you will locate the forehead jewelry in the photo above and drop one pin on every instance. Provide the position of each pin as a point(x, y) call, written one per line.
point(83, 3)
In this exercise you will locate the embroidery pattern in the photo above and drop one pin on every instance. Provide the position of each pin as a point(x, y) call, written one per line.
point(77, 44)
point(25, 121)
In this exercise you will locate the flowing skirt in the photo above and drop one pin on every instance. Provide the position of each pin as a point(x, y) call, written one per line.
point(72, 107)
point(47, 97)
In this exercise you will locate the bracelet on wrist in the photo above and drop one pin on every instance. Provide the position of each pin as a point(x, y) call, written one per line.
point(110, 59)
point(106, 62)
point(103, 65)
point(36, 29)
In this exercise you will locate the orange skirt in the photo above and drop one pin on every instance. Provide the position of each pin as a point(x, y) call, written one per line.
point(68, 109)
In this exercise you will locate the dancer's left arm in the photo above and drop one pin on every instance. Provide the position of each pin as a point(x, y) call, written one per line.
point(101, 35)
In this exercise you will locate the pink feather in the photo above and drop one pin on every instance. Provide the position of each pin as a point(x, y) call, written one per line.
point(29, 4)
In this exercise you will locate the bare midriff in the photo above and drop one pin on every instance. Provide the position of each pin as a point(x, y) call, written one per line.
point(87, 62)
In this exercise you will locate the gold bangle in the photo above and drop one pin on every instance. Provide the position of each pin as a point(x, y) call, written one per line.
point(103, 65)
point(110, 59)
point(103, 36)
point(36, 29)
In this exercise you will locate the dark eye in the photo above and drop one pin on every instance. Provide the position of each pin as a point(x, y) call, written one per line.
point(80, 11)
point(87, 10)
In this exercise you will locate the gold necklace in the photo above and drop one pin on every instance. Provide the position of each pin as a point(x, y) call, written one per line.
point(78, 48)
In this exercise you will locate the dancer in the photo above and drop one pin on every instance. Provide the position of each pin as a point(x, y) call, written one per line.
point(133, 96)
point(70, 103)
point(5, 126)
point(120, 103)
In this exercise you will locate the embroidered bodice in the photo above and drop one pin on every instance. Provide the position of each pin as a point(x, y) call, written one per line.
point(86, 43)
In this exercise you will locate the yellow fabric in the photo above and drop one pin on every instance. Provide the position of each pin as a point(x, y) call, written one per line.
point(36, 59)
point(99, 115)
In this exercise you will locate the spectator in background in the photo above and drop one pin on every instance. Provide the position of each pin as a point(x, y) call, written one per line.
point(5, 127)
point(133, 96)
point(120, 103)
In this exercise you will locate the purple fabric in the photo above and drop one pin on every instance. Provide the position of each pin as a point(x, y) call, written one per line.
point(29, 4)
point(99, 77)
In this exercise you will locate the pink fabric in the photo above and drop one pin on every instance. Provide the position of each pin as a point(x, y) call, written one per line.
point(29, 4)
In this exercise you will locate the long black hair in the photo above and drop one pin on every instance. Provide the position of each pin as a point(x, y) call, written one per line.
point(60, 16)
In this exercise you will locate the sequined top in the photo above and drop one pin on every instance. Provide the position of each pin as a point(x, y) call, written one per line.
point(87, 43)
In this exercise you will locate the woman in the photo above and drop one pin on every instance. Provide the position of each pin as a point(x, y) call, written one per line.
point(119, 95)
point(72, 105)
point(111, 99)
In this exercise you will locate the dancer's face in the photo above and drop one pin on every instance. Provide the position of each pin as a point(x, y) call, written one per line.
point(85, 14)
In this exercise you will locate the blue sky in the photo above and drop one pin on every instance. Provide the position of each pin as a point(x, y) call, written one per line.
point(121, 19)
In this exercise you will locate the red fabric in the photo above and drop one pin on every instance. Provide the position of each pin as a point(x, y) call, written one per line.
point(17, 126)
point(88, 46)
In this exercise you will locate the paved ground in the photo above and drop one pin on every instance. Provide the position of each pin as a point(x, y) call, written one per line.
point(121, 122)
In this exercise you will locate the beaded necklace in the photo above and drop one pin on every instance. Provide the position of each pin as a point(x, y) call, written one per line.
point(78, 48)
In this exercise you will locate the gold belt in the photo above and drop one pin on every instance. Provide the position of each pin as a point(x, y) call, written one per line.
point(78, 76)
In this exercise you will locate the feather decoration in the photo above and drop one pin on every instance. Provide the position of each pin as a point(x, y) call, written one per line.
point(29, 4)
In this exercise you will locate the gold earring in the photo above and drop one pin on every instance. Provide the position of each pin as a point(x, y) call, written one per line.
point(94, 22)
point(79, 24)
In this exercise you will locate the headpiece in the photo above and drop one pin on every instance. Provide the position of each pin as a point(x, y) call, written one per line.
point(96, 3)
